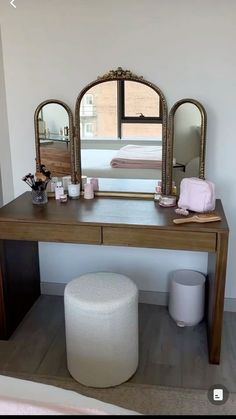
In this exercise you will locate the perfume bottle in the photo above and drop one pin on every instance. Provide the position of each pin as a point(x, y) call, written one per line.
point(53, 183)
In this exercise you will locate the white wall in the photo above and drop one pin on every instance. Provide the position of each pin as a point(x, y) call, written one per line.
point(53, 48)
point(147, 267)
point(6, 181)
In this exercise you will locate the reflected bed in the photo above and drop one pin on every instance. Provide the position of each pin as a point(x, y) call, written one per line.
point(96, 163)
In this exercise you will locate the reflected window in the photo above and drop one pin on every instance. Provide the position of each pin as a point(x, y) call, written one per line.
point(99, 108)
point(120, 110)
point(88, 130)
point(52, 121)
point(140, 100)
point(88, 99)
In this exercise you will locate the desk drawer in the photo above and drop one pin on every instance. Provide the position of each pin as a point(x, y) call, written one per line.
point(50, 232)
point(163, 239)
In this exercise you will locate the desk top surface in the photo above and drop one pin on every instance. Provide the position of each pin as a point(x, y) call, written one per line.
point(103, 211)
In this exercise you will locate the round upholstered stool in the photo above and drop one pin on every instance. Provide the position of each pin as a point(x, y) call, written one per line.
point(101, 320)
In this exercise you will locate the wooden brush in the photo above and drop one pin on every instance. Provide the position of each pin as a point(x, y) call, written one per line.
point(198, 218)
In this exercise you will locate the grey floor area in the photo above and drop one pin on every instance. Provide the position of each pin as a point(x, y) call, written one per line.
point(169, 355)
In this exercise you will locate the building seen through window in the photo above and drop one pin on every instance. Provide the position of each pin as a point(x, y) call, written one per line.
point(121, 110)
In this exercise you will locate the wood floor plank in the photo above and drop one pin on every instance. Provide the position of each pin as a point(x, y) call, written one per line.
point(168, 355)
point(54, 362)
point(34, 335)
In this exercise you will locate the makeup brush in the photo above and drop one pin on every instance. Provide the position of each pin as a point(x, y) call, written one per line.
point(40, 176)
point(45, 171)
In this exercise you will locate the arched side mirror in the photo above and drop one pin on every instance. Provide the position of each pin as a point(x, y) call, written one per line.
point(54, 138)
point(186, 142)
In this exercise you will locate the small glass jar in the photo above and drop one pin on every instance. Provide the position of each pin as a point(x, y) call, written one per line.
point(167, 201)
point(39, 197)
point(74, 190)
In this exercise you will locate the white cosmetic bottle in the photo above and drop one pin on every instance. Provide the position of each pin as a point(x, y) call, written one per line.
point(59, 190)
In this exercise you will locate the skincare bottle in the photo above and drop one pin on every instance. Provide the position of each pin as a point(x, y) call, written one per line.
point(88, 191)
point(53, 183)
point(66, 180)
point(157, 194)
point(59, 190)
point(94, 182)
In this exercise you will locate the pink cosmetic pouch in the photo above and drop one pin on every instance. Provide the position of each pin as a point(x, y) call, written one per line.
point(197, 195)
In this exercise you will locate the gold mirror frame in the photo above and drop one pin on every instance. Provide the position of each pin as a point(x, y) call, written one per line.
point(112, 75)
point(170, 139)
point(167, 133)
point(74, 177)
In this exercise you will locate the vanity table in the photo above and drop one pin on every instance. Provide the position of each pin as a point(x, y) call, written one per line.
point(102, 221)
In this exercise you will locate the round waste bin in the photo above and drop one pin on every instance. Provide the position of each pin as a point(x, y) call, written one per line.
point(187, 297)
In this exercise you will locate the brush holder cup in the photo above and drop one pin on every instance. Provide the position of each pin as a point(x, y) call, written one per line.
point(39, 197)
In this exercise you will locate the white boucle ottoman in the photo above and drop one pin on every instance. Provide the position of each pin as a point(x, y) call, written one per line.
point(101, 321)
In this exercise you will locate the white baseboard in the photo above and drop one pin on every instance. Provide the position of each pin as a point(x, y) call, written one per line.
point(153, 297)
point(148, 297)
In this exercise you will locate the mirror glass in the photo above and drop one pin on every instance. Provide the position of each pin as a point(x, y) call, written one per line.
point(54, 139)
point(121, 139)
point(186, 142)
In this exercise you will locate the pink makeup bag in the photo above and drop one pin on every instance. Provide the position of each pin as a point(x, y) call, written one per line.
point(197, 195)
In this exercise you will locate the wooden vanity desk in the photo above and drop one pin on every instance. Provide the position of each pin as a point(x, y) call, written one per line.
point(103, 221)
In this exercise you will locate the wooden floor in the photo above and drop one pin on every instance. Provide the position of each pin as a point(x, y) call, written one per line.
point(169, 355)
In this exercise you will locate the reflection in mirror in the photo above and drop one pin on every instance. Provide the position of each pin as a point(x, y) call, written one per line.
point(121, 134)
point(188, 128)
point(53, 138)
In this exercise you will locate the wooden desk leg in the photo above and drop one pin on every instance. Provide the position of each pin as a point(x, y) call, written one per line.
point(215, 294)
point(19, 282)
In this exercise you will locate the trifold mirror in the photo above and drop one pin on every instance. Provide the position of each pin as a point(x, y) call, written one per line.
point(122, 136)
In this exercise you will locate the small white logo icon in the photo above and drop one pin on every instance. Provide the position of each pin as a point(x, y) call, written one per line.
point(218, 395)
point(12, 3)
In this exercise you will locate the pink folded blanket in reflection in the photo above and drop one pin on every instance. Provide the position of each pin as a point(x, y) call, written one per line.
point(12, 406)
point(135, 156)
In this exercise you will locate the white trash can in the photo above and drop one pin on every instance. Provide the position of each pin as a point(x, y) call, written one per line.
point(187, 297)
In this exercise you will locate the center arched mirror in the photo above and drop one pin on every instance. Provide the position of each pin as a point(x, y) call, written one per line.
point(121, 124)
